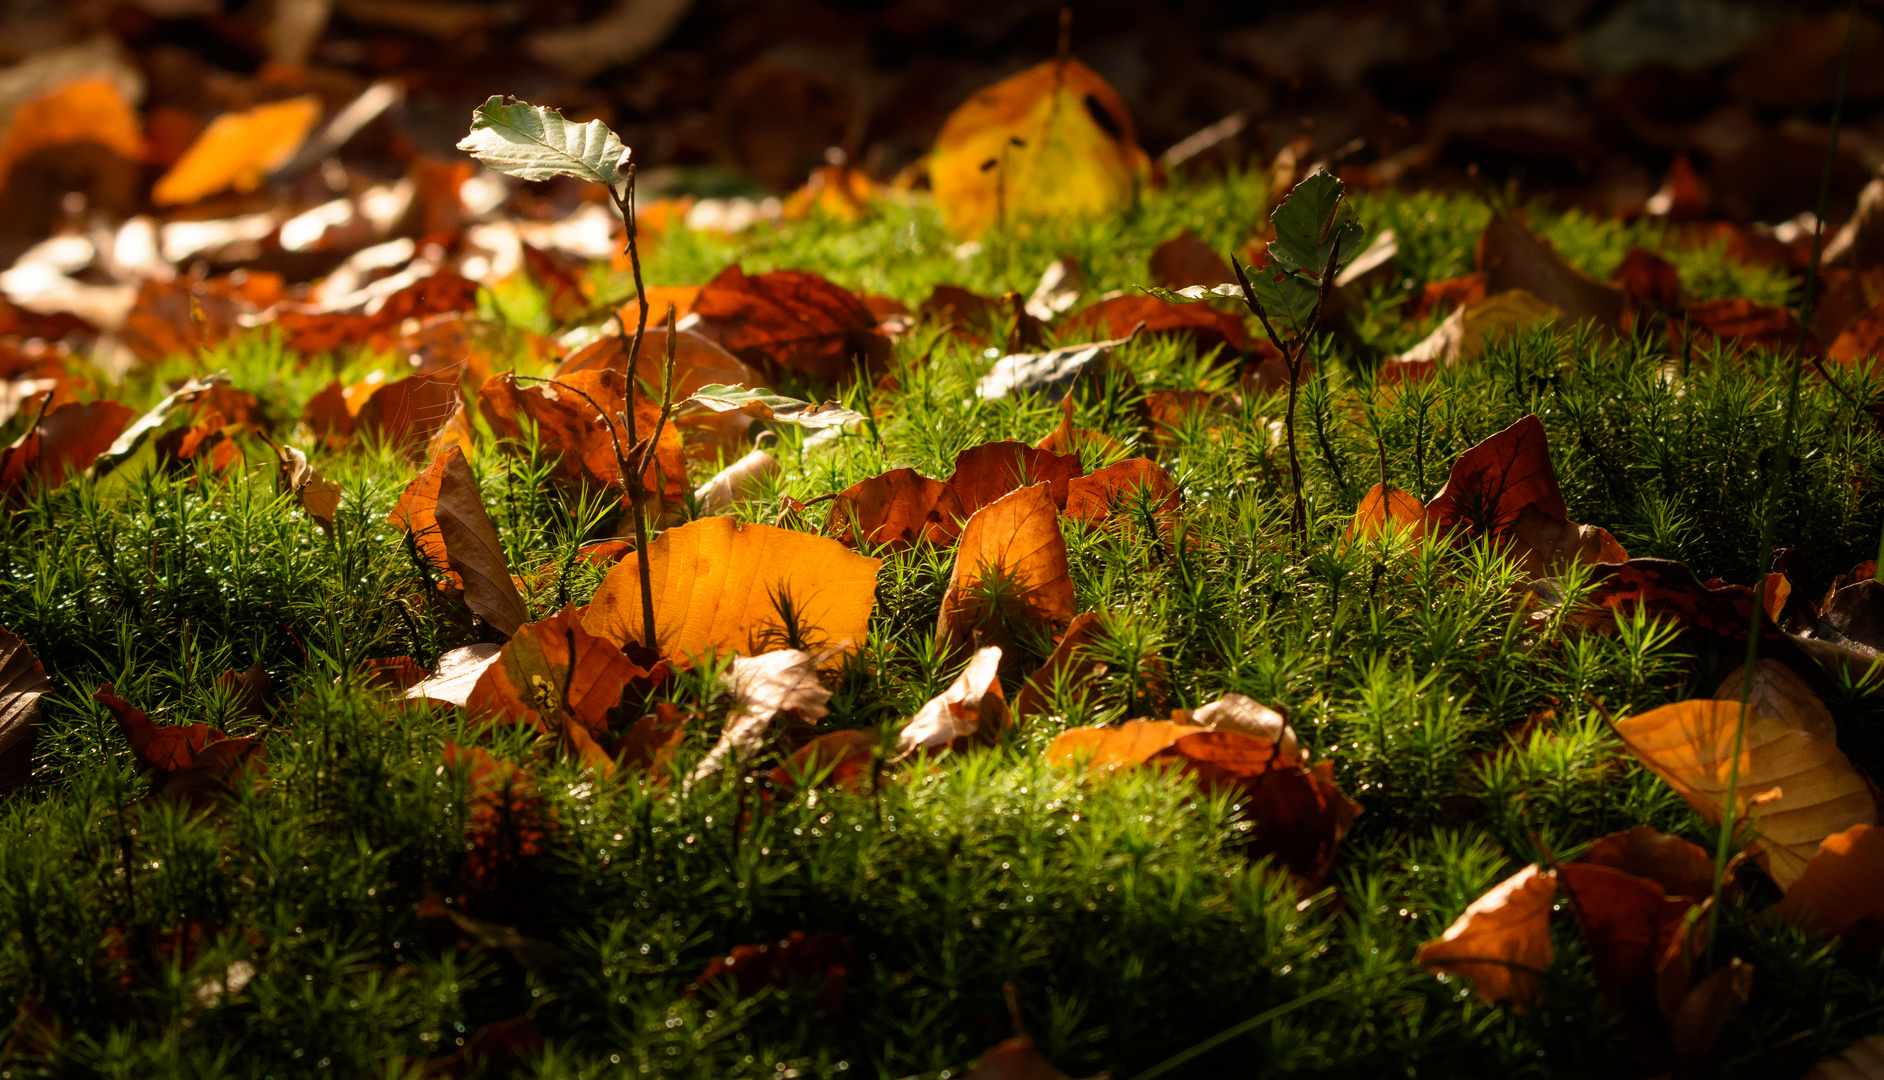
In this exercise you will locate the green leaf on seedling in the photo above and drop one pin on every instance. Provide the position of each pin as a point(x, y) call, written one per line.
point(1310, 221)
point(535, 143)
point(1190, 294)
point(765, 405)
point(1288, 298)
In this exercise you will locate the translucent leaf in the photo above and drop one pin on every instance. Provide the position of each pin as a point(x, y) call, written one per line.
point(536, 143)
point(1309, 223)
point(1190, 294)
point(1287, 298)
point(766, 405)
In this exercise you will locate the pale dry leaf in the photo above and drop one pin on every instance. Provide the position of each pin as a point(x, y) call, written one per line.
point(762, 687)
point(974, 701)
point(1235, 712)
point(455, 675)
point(1779, 693)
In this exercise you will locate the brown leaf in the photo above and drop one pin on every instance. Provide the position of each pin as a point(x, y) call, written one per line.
point(743, 479)
point(1071, 665)
point(191, 761)
point(800, 959)
point(1205, 327)
point(1797, 787)
point(652, 741)
point(1381, 506)
point(314, 493)
point(972, 705)
point(1628, 925)
point(785, 680)
point(897, 509)
point(1010, 573)
point(65, 441)
point(843, 758)
point(408, 413)
point(555, 676)
point(1493, 482)
point(989, 471)
point(698, 361)
point(1709, 1008)
point(1742, 323)
point(1300, 816)
point(507, 829)
point(570, 426)
point(1841, 891)
point(1247, 716)
point(250, 687)
point(1652, 280)
point(1124, 486)
point(1449, 294)
point(1512, 257)
point(1781, 695)
point(1186, 260)
point(1862, 340)
point(22, 683)
point(790, 320)
point(1862, 1060)
point(722, 587)
point(1014, 1059)
point(186, 315)
point(1131, 743)
point(1502, 941)
point(1680, 867)
point(1545, 544)
point(443, 511)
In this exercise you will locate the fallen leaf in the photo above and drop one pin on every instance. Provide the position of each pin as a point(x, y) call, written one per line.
point(1449, 294)
point(1862, 1060)
point(722, 587)
point(1206, 328)
point(1545, 543)
point(1780, 694)
point(1652, 280)
point(88, 109)
point(1493, 482)
point(1739, 322)
point(743, 479)
point(407, 413)
point(799, 960)
point(1628, 924)
point(991, 471)
point(763, 404)
point(1124, 487)
point(897, 510)
point(238, 150)
point(1070, 665)
point(190, 761)
point(314, 493)
point(186, 315)
point(1474, 328)
point(249, 688)
point(1383, 506)
point(1010, 573)
point(1131, 743)
point(22, 683)
point(1680, 867)
point(698, 361)
point(508, 825)
point(1841, 890)
point(1862, 340)
point(1512, 257)
point(1247, 716)
point(499, 1046)
point(577, 419)
point(763, 686)
point(651, 742)
point(841, 759)
point(837, 191)
point(456, 674)
point(1053, 141)
point(1185, 260)
point(555, 676)
point(1708, 1008)
point(1689, 744)
point(66, 440)
point(973, 704)
point(1015, 1059)
point(443, 511)
point(790, 320)
point(1300, 816)
point(1502, 941)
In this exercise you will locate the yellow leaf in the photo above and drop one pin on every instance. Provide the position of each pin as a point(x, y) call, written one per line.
point(238, 150)
point(719, 586)
point(88, 109)
point(1690, 745)
point(1052, 141)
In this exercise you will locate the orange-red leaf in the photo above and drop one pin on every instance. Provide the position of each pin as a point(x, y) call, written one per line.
point(1493, 482)
point(578, 418)
point(790, 320)
point(1841, 890)
point(22, 683)
point(1381, 506)
point(1010, 572)
point(899, 509)
point(66, 440)
point(554, 675)
point(443, 511)
point(1204, 326)
point(1122, 486)
point(986, 472)
point(1502, 941)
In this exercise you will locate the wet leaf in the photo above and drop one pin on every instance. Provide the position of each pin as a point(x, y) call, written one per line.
point(723, 587)
point(238, 150)
point(443, 511)
point(22, 683)
point(1502, 941)
point(536, 143)
point(973, 704)
point(1797, 787)
point(1053, 141)
point(1011, 576)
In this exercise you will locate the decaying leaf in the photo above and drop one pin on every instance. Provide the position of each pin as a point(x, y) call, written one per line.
point(1247, 716)
point(1629, 923)
point(1502, 941)
point(762, 687)
point(578, 418)
point(723, 587)
point(1469, 331)
point(1797, 787)
point(1780, 694)
point(1512, 257)
point(1300, 816)
point(897, 509)
point(1862, 1060)
point(1186, 260)
point(1053, 141)
point(973, 704)
point(1205, 327)
point(508, 826)
point(1123, 486)
point(1131, 743)
point(1071, 664)
point(990, 471)
point(1010, 573)
point(743, 479)
point(455, 676)
point(238, 150)
point(22, 683)
point(1680, 867)
point(191, 761)
point(314, 493)
point(790, 320)
point(822, 959)
point(443, 511)
point(1708, 1008)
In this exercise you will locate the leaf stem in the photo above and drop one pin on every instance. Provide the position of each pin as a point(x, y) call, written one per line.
point(637, 491)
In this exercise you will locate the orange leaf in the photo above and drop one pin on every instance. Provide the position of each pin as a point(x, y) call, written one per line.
point(1120, 487)
point(973, 704)
point(720, 587)
point(66, 440)
point(842, 758)
point(1300, 816)
point(1798, 787)
point(1381, 506)
point(791, 320)
point(1842, 889)
point(238, 150)
point(698, 361)
point(1743, 323)
point(1493, 482)
point(409, 412)
point(1512, 257)
point(1649, 278)
point(1131, 743)
point(86, 109)
point(1070, 665)
point(987, 472)
point(552, 675)
point(1010, 572)
point(1628, 924)
point(1204, 326)
point(1680, 867)
point(569, 416)
point(897, 509)
point(444, 512)
point(1502, 942)
point(1780, 694)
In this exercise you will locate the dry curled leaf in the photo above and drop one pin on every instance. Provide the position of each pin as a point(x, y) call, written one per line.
point(1797, 787)
point(22, 683)
point(443, 511)
point(785, 680)
point(1502, 941)
point(558, 678)
point(314, 493)
point(1512, 257)
point(457, 672)
point(897, 509)
point(1010, 574)
point(973, 704)
point(724, 587)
